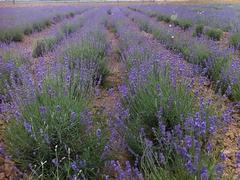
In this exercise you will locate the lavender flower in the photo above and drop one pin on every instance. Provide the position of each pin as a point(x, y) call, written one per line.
point(238, 158)
point(73, 116)
point(204, 173)
point(42, 110)
point(123, 90)
point(222, 156)
point(28, 127)
point(74, 166)
point(219, 169)
point(188, 141)
point(55, 162)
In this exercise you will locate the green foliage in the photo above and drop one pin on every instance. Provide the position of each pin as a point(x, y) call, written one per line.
point(161, 35)
point(148, 100)
point(164, 18)
point(152, 14)
point(219, 66)
point(198, 54)
point(39, 26)
point(158, 93)
point(144, 26)
point(15, 34)
point(235, 95)
point(172, 168)
point(55, 134)
point(199, 30)
point(214, 34)
point(184, 23)
point(90, 51)
point(43, 46)
point(235, 40)
point(28, 30)
point(16, 58)
point(67, 29)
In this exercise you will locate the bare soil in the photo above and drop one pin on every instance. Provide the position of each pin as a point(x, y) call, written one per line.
point(107, 100)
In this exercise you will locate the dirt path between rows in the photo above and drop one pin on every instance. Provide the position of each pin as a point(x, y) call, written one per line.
point(106, 102)
point(231, 144)
point(109, 94)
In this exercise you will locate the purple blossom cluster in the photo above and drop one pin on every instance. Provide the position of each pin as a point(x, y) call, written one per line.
point(128, 172)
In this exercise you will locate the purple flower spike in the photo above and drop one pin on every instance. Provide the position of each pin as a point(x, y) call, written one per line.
point(73, 116)
point(204, 173)
point(188, 141)
point(27, 127)
point(55, 162)
point(123, 90)
point(222, 156)
point(42, 110)
point(74, 166)
point(238, 158)
point(219, 169)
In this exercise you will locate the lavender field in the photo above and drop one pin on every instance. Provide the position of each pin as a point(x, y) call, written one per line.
point(120, 91)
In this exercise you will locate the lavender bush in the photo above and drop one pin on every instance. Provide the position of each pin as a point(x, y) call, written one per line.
point(59, 104)
point(59, 138)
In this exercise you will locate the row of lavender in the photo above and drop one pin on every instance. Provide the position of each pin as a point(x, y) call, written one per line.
point(224, 17)
point(50, 130)
point(33, 19)
point(166, 129)
point(217, 63)
point(48, 43)
point(58, 38)
point(204, 22)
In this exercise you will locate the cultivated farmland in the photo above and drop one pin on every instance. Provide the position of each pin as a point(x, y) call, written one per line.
point(120, 91)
